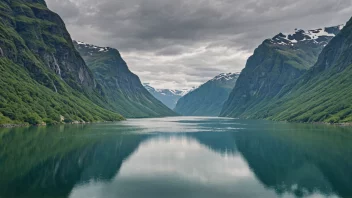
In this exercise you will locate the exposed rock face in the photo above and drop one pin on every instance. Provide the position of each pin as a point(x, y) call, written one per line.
point(124, 90)
point(274, 64)
point(42, 74)
point(209, 98)
point(43, 33)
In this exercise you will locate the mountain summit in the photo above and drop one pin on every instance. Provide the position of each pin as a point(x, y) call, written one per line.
point(276, 63)
point(323, 93)
point(320, 36)
point(123, 88)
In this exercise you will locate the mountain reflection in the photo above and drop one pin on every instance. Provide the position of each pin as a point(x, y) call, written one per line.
point(175, 167)
point(301, 159)
point(195, 157)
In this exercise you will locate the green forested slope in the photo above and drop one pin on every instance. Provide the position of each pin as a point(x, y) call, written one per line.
point(124, 90)
point(276, 63)
point(43, 78)
point(208, 99)
point(324, 93)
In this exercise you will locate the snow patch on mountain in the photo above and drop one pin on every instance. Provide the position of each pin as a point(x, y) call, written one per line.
point(225, 76)
point(176, 92)
point(167, 96)
point(93, 48)
point(317, 36)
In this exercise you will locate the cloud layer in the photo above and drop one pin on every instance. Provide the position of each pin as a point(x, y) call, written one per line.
point(182, 43)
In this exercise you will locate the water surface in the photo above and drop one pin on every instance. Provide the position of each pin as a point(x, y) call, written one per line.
point(177, 157)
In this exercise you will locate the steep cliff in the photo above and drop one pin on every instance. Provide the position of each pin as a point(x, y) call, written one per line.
point(276, 63)
point(43, 78)
point(323, 94)
point(124, 90)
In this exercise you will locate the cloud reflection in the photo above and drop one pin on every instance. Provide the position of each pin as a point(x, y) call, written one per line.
point(180, 167)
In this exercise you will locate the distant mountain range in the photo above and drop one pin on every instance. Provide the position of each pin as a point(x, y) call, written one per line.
point(208, 99)
point(167, 96)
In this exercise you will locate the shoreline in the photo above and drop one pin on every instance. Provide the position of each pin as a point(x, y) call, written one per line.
point(8, 126)
point(14, 125)
point(347, 124)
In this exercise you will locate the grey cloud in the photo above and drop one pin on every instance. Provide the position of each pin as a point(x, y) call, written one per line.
point(173, 50)
point(206, 36)
point(67, 10)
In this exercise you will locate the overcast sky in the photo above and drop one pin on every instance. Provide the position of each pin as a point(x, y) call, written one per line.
point(183, 43)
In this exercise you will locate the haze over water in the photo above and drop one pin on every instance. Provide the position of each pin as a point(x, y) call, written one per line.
point(177, 157)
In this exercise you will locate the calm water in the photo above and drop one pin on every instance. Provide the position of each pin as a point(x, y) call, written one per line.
point(177, 157)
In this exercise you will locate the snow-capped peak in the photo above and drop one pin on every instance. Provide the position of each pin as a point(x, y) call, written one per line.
point(93, 48)
point(167, 91)
point(318, 36)
point(225, 76)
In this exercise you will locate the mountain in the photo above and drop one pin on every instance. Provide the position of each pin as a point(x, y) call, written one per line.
point(276, 63)
point(208, 99)
point(123, 89)
point(43, 77)
point(324, 93)
point(167, 96)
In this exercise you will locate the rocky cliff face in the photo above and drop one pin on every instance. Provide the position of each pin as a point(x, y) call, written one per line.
point(322, 94)
point(123, 89)
point(208, 99)
point(43, 33)
point(43, 77)
point(274, 64)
